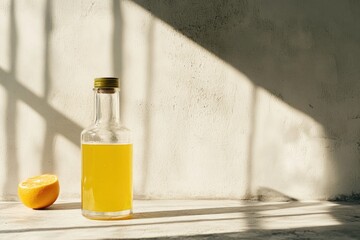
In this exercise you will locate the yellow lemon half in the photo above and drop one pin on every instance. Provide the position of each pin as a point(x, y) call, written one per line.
point(39, 191)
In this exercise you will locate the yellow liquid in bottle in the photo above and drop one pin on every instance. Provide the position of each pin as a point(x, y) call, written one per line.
point(106, 177)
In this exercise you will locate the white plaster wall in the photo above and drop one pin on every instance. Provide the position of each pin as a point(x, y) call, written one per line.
point(218, 105)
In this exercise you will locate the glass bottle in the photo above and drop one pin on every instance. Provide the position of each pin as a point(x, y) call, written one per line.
point(106, 150)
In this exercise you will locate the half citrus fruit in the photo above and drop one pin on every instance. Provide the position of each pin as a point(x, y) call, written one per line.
point(39, 191)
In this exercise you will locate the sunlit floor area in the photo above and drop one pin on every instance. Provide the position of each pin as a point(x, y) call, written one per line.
point(187, 219)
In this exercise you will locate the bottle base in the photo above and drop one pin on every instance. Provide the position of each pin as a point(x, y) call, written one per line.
point(125, 214)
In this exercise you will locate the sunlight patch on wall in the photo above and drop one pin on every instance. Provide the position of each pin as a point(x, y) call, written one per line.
point(68, 166)
point(291, 152)
point(80, 50)
point(30, 47)
point(190, 111)
point(30, 135)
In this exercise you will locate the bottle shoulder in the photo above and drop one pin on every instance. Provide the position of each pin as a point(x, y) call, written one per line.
point(106, 134)
point(106, 127)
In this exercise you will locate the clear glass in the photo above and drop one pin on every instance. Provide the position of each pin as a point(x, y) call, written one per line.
point(106, 152)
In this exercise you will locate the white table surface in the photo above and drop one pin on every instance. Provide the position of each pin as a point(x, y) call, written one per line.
point(198, 219)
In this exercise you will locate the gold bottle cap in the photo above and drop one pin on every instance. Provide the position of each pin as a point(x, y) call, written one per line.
point(106, 82)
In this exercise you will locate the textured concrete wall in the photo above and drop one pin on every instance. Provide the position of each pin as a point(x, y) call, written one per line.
point(226, 99)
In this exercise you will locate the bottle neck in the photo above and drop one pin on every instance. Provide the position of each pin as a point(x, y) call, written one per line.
point(107, 106)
